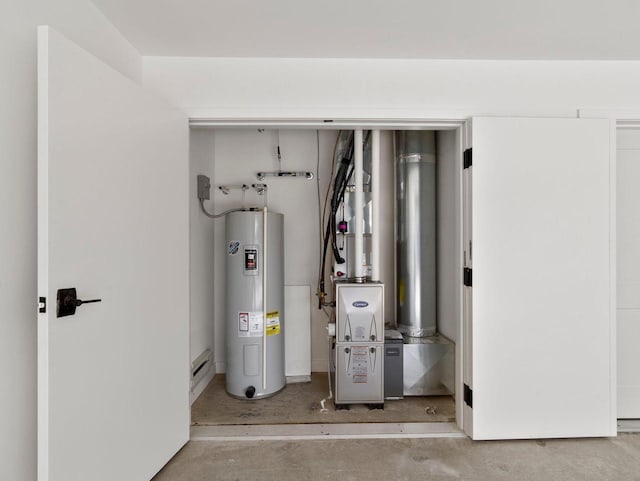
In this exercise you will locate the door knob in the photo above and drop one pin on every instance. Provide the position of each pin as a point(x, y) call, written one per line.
point(67, 301)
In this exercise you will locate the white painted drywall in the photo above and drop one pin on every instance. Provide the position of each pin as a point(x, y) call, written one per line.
point(449, 244)
point(239, 155)
point(203, 268)
point(297, 329)
point(542, 29)
point(250, 88)
point(628, 273)
point(233, 156)
point(201, 154)
point(347, 88)
point(84, 24)
point(387, 227)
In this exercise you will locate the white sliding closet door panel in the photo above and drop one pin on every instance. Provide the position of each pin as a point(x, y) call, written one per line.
point(113, 379)
point(543, 357)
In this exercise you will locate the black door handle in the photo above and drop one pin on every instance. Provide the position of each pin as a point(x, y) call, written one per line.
point(79, 302)
point(67, 301)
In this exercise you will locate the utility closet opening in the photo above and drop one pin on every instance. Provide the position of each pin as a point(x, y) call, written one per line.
point(328, 287)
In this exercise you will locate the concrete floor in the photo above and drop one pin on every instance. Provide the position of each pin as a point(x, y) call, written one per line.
point(418, 459)
point(382, 459)
point(300, 404)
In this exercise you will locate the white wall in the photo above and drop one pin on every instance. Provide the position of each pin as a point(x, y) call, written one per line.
point(202, 265)
point(449, 243)
point(250, 88)
point(80, 21)
point(343, 88)
point(239, 155)
point(628, 273)
point(235, 155)
point(387, 229)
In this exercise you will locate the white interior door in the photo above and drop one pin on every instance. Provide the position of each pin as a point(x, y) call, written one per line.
point(113, 379)
point(628, 273)
point(543, 312)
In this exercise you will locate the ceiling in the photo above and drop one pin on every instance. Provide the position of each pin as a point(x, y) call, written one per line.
point(455, 29)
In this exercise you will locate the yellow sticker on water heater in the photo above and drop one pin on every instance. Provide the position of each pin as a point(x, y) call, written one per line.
point(273, 323)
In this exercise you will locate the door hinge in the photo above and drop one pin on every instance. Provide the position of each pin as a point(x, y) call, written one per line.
point(467, 277)
point(468, 396)
point(467, 158)
point(42, 305)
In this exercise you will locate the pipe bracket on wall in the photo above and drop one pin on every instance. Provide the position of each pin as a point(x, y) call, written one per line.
point(226, 189)
point(261, 189)
point(305, 175)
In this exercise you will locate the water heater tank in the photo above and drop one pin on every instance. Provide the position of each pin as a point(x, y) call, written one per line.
point(254, 331)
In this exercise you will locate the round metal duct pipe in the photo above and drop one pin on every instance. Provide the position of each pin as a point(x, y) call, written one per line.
point(416, 232)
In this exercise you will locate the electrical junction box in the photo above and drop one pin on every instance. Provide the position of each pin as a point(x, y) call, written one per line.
point(204, 187)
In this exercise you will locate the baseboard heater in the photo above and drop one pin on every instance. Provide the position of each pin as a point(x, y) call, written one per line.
point(200, 367)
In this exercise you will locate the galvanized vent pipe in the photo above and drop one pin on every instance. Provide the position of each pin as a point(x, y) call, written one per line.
point(416, 232)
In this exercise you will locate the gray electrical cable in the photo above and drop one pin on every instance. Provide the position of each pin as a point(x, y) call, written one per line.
point(329, 368)
point(323, 401)
point(320, 222)
point(221, 214)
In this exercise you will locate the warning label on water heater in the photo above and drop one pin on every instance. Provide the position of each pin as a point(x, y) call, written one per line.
point(250, 324)
point(360, 364)
point(273, 323)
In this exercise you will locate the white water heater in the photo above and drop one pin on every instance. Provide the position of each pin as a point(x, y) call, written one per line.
point(255, 326)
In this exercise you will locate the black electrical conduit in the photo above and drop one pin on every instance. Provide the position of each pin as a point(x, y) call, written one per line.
point(341, 181)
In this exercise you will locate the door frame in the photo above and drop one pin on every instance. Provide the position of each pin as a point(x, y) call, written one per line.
point(621, 119)
point(452, 122)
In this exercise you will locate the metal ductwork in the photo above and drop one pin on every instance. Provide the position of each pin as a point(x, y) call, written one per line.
point(415, 163)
